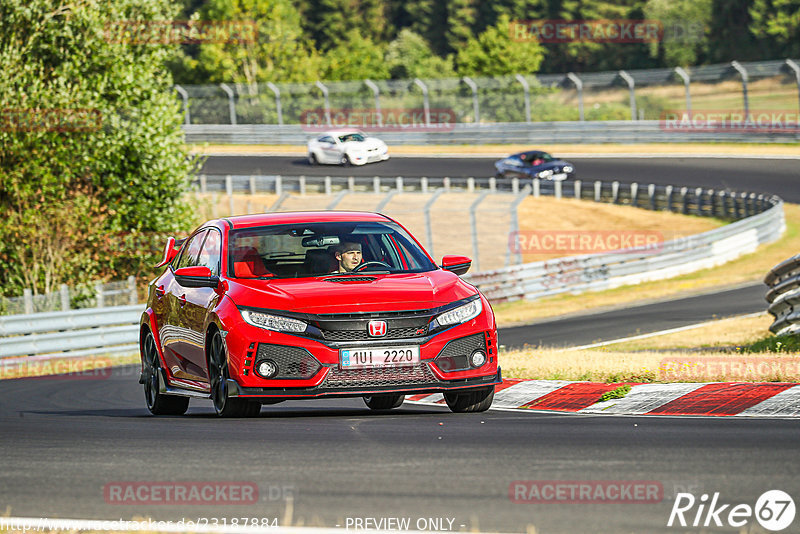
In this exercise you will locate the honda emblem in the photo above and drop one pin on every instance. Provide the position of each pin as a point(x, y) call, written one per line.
point(377, 328)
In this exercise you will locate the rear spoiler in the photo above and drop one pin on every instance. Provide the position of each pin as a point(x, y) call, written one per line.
point(170, 251)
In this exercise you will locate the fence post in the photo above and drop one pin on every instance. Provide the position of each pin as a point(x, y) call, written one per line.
point(302, 185)
point(614, 192)
point(526, 91)
point(399, 184)
point(185, 97)
point(252, 184)
point(557, 188)
point(686, 80)
point(792, 65)
point(712, 199)
point(427, 213)
point(515, 224)
point(537, 187)
point(699, 194)
point(629, 80)
point(27, 297)
point(515, 185)
point(668, 194)
point(446, 183)
point(351, 184)
point(743, 73)
point(203, 183)
point(651, 193)
point(423, 184)
point(324, 90)
point(376, 184)
point(377, 94)
point(475, 106)
point(64, 297)
point(425, 103)
point(470, 184)
point(577, 186)
point(133, 298)
point(98, 291)
point(492, 184)
point(579, 87)
point(229, 192)
point(634, 193)
point(328, 185)
point(598, 190)
point(278, 107)
point(685, 206)
point(473, 221)
point(231, 102)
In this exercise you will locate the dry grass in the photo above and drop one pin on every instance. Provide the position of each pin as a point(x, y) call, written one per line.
point(748, 268)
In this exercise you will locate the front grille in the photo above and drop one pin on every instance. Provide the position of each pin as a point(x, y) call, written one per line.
point(362, 335)
point(380, 376)
point(455, 355)
point(292, 362)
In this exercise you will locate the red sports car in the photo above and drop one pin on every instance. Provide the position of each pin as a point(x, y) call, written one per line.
point(259, 309)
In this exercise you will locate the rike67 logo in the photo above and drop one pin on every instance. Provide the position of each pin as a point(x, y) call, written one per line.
point(774, 510)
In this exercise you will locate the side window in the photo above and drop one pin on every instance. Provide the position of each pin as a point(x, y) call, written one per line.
point(326, 139)
point(209, 255)
point(190, 250)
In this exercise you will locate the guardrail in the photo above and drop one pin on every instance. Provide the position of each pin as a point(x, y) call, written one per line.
point(784, 296)
point(73, 333)
point(593, 272)
point(537, 133)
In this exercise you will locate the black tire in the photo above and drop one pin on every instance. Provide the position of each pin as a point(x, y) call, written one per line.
point(345, 161)
point(384, 402)
point(312, 159)
point(474, 400)
point(218, 373)
point(157, 402)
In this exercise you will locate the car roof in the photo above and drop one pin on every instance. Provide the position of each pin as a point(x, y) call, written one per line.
point(292, 217)
point(342, 131)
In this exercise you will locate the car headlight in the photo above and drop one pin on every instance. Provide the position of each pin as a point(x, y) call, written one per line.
point(461, 314)
point(545, 173)
point(273, 322)
point(567, 168)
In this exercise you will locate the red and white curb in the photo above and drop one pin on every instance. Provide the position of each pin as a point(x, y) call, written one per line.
point(743, 399)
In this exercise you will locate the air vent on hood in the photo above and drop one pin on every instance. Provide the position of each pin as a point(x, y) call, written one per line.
point(351, 279)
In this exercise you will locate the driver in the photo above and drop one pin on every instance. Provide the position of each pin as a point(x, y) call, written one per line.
point(348, 254)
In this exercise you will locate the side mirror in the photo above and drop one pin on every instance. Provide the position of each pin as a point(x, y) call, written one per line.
point(456, 264)
point(170, 251)
point(199, 276)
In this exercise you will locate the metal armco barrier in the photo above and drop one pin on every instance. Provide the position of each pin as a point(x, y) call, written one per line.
point(784, 296)
point(593, 272)
point(72, 333)
point(536, 133)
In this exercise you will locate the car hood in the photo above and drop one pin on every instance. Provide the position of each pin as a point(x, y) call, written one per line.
point(369, 142)
point(394, 292)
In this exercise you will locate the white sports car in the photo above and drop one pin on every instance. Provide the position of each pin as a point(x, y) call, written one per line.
point(346, 147)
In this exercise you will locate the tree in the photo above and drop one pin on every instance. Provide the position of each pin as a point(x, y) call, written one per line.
point(495, 53)
point(329, 20)
point(685, 23)
point(778, 22)
point(91, 146)
point(409, 56)
point(355, 58)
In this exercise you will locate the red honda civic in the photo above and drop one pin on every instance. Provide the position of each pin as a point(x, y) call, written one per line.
point(259, 309)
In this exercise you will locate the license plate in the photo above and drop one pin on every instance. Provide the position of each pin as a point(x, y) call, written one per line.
point(368, 358)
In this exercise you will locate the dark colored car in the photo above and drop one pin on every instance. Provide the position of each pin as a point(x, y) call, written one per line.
point(534, 164)
point(256, 309)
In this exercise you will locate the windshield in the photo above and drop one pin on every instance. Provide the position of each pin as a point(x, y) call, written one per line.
point(316, 249)
point(536, 158)
point(352, 137)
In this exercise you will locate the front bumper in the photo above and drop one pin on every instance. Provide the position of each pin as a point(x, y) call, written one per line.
point(324, 390)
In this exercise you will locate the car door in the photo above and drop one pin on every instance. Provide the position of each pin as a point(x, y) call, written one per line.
point(330, 149)
point(197, 304)
point(176, 338)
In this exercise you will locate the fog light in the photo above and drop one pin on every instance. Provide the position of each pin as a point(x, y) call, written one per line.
point(477, 359)
point(266, 368)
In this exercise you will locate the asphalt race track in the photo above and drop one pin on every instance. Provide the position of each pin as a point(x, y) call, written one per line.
point(775, 176)
point(64, 441)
